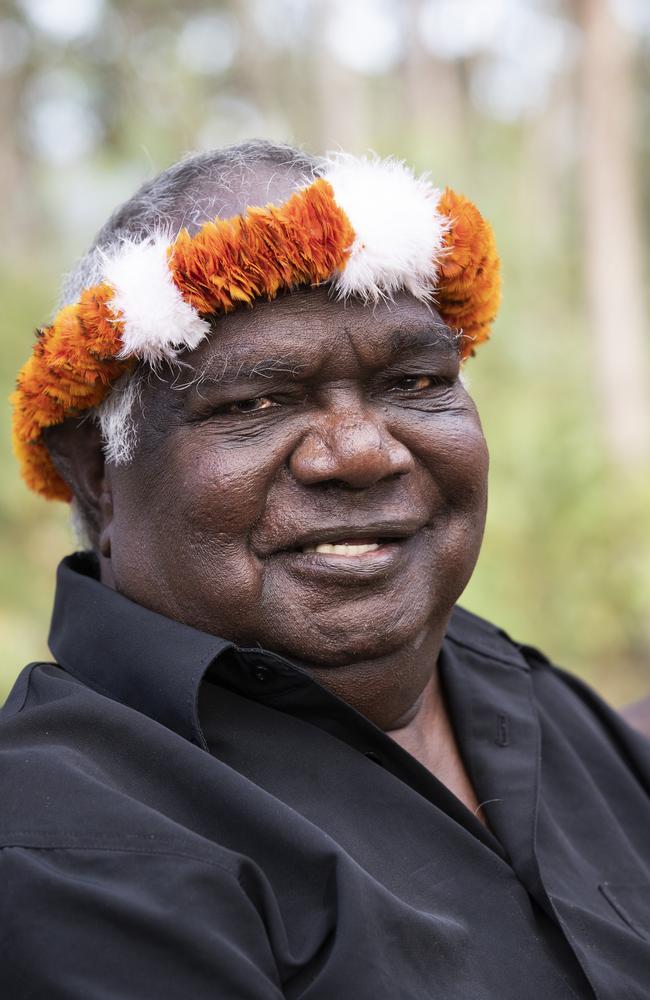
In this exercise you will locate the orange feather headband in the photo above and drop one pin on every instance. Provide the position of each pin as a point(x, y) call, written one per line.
point(368, 227)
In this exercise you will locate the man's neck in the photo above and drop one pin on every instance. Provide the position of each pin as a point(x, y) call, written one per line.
point(429, 737)
point(401, 693)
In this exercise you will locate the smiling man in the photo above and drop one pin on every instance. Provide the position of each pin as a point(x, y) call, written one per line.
point(271, 756)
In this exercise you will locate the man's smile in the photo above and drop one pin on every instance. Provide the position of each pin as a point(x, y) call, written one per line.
point(348, 548)
point(348, 539)
point(354, 554)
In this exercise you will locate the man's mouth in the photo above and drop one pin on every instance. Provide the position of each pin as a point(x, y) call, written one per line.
point(348, 547)
point(361, 552)
point(352, 541)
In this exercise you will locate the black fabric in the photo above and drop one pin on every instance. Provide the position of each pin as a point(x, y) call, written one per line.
point(184, 819)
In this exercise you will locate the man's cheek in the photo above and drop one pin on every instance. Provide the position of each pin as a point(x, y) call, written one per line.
point(461, 471)
point(214, 583)
point(222, 496)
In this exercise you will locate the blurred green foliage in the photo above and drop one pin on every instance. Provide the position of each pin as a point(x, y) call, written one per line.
point(566, 559)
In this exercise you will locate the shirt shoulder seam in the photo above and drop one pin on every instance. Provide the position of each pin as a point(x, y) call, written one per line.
point(123, 849)
point(489, 642)
point(511, 661)
point(24, 678)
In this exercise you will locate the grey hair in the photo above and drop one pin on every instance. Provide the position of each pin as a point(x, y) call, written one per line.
point(181, 196)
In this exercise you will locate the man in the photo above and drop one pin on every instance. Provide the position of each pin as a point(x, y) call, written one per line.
point(272, 758)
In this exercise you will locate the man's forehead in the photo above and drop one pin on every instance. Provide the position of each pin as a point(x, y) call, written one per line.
point(297, 332)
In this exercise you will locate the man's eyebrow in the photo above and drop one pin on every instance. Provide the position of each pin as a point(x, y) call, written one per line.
point(436, 335)
point(230, 369)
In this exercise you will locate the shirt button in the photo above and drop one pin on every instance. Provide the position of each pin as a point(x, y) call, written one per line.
point(261, 673)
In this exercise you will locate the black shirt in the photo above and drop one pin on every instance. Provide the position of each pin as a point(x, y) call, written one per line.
point(183, 819)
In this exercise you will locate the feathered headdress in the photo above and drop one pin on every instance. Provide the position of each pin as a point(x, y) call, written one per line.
point(368, 227)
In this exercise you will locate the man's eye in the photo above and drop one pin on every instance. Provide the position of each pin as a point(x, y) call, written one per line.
point(416, 383)
point(251, 405)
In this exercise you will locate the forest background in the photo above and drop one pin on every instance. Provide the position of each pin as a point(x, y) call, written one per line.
point(536, 109)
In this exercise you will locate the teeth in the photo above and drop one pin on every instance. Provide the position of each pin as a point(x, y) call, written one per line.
point(328, 549)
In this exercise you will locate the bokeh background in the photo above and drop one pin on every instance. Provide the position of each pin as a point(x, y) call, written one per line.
point(536, 109)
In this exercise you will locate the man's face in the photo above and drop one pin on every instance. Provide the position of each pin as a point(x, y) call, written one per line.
point(319, 489)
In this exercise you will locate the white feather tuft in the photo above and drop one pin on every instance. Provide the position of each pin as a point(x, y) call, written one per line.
point(157, 320)
point(399, 231)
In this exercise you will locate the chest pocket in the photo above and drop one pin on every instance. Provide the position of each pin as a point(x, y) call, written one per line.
point(631, 900)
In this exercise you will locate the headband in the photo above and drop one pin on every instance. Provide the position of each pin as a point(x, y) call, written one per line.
point(367, 227)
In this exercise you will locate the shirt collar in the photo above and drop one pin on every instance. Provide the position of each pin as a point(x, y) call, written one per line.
point(133, 655)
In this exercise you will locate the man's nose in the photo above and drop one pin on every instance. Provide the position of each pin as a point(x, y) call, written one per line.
point(352, 448)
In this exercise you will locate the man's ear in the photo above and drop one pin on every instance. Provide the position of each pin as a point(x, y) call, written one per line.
point(76, 450)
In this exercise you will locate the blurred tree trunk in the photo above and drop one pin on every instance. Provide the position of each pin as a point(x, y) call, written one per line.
point(613, 234)
point(254, 68)
point(435, 105)
point(22, 219)
point(341, 94)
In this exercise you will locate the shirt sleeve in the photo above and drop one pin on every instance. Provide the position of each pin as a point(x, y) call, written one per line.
point(94, 924)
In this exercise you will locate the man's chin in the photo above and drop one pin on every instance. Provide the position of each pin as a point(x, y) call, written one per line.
point(353, 641)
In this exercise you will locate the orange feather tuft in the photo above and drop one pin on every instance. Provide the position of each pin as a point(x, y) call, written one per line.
point(265, 251)
point(469, 292)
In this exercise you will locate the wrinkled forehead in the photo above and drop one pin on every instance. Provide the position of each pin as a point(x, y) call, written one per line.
point(310, 328)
